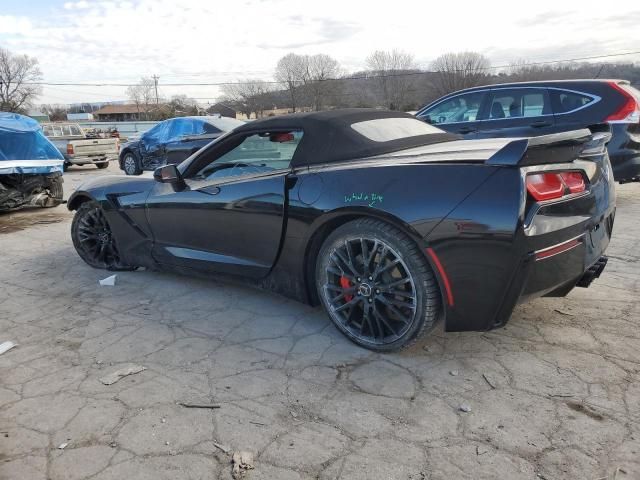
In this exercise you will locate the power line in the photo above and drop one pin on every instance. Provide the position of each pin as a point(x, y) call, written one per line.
point(359, 77)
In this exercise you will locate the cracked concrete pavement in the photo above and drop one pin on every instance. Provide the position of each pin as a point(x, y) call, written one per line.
point(554, 395)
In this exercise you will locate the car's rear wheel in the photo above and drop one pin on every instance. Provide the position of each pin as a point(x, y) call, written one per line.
point(93, 239)
point(376, 285)
point(131, 165)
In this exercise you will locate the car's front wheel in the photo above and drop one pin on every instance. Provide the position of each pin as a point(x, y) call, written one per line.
point(376, 285)
point(131, 165)
point(93, 239)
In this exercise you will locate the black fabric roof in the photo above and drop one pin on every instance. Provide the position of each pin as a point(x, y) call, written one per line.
point(328, 136)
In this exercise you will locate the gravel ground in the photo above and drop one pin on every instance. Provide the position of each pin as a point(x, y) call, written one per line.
point(554, 395)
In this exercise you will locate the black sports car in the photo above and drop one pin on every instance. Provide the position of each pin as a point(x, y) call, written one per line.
point(386, 221)
point(171, 141)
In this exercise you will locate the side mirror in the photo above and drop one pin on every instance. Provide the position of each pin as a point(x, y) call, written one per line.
point(169, 174)
point(427, 119)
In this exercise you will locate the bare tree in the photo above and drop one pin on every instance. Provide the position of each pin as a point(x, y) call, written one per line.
point(455, 71)
point(394, 72)
point(57, 113)
point(143, 96)
point(291, 71)
point(17, 76)
point(181, 105)
point(320, 70)
point(248, 96)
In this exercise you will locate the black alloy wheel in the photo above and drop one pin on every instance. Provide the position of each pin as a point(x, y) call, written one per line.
point(376, 285)
point(93, 239)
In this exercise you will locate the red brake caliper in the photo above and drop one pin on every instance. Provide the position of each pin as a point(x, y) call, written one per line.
point(345, 284)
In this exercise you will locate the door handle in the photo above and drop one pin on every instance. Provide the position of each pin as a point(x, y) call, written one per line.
point(540, 124)
point(464, 130)
point(211, 190)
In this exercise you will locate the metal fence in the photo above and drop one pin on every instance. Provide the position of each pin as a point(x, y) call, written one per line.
point(126, 129)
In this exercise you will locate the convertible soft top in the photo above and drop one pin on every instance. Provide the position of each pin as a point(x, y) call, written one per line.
point(344, 134)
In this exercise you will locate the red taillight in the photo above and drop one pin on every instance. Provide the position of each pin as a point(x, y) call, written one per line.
point(554, 185)
point(629, 111)
point(545, 186)
point(69, 149)
point(574, 181)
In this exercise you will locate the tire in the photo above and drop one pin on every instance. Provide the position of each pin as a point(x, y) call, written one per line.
point(65, 166)
point(93, 239)
point(102, 165)
point(131, 164)
point(376, 285)
point(56, 192)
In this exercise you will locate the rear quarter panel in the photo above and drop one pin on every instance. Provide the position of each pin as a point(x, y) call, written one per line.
point(413, 197)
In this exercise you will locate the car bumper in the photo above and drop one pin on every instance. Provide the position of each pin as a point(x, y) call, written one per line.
point(90, 159)
point(626, 167)
point(556, 269)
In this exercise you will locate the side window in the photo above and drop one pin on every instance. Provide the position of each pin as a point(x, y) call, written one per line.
point(47, 130)
point(181, 127)
point(207, 128)
point(519, 103)
point(75, 130)
point(565, 101)
point(461, 108)
point(251, 155)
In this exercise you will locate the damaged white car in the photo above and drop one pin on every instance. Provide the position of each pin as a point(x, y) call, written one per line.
point(30, 165)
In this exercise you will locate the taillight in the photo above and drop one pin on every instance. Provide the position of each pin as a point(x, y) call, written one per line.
point(574, 181)
point(69, 149)
point(629, 112)
point(553, 185)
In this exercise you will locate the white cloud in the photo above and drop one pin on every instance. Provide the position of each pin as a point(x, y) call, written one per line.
point(11, 25)
point(199, 40)
point(81, 5)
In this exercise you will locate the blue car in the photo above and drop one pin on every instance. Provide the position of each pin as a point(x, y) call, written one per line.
point(172, 141)
point(30, 165)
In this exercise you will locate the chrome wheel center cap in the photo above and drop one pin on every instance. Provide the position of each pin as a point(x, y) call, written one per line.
point(364, 290)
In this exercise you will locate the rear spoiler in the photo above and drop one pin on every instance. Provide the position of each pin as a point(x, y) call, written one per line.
point(561, 147)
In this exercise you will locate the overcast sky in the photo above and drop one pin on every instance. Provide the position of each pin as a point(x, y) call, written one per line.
point(213, 41)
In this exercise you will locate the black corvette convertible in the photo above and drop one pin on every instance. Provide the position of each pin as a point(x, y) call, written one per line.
point(385, 220)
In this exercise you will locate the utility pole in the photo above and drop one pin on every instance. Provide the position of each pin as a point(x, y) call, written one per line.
point(155, 82)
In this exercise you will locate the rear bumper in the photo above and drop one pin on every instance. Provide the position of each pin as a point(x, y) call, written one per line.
point(556, 269)
point(626, 167)
point(87, 159)
point(624, 152)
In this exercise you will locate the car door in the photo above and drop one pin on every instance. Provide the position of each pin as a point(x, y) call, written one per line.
point(153, 145)
point(517, 112)
point(456, 114)
point(230, 216)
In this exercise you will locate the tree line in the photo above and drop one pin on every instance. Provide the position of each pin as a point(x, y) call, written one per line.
point(391, 79)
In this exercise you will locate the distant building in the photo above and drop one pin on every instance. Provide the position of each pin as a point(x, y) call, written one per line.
point(79, 117)
point(222, 110)
point(38, 115)
point(119, 113)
